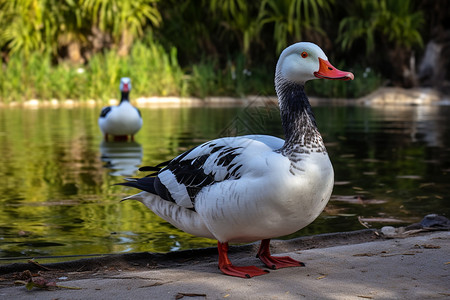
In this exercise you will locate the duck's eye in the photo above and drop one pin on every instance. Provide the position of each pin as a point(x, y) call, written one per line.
point(304, 54)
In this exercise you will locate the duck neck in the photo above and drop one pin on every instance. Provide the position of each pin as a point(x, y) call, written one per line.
point(299, 123)
point(124, 96)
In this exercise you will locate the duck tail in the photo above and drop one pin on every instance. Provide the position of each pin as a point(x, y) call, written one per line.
point(146, 184)
point(138, 197)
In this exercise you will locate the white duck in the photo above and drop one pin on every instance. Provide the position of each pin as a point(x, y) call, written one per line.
point(254, 187)
point(122, 120)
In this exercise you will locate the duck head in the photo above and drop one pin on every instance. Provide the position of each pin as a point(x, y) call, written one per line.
point(125, 88)
point(125, 84)
point(305, 61)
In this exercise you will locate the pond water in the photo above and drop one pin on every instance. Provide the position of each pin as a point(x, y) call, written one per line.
point(57, 193)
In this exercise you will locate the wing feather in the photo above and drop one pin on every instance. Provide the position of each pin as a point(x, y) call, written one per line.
point(182, 178)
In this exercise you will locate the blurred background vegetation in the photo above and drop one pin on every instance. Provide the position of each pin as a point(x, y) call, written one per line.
point(78, 49)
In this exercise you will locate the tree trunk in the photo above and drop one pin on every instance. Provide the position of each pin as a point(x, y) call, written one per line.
point(435, 62)
point(74, 52)
point(402, 67)
point(126, 40)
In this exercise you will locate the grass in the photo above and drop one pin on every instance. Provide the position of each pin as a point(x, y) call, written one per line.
point(207, 78)
point(154, 72)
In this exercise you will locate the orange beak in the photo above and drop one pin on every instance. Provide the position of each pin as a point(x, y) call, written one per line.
point(327, 71)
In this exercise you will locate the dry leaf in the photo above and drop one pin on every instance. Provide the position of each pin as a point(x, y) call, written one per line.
point(182, 295)
point(381, 220)
point(429, 246)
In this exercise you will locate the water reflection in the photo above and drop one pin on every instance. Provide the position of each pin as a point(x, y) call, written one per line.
point(123, 158)
point(421, 123)
point(57, 192)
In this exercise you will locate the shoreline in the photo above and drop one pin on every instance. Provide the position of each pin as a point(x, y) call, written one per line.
point(387, 96)
point(323, 240)
point(349, 265)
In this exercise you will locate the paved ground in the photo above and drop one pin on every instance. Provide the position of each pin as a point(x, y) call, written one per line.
point(416, 267)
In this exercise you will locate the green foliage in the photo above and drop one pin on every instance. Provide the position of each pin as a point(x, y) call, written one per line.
point(66, 82)
point(123, 19)
point(157, 72)
point(11, 84)
point(154, 73)
point(30, 25)
point(193, 47)
point(241, 18)
point(394, 20)
point(204, 79)
point(292, 17)
point(288, 18)
point(121, 15)
point(26, 80)
point(208, 79)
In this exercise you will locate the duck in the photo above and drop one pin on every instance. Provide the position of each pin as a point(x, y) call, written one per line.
point(121, 121)
point(255, 187)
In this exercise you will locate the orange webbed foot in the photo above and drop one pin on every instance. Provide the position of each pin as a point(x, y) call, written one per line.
point(276, 262)
point(243, 272)
point(229, 269)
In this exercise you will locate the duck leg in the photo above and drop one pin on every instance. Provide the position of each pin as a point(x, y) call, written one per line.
point(227, 267)
point(275, 262)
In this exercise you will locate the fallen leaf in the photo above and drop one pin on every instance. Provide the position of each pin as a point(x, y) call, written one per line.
point(341, 182)
point(370, 173)
point(39, 265)
point(151, 285)
point(395, 254)
point(181, 295)
point(372, 160)
point(364, 254)
point(42, 283)
point(381, 220)
point(429, 246)
point(409, 177)
point(25, 275)
point(356, 199)
point(363, 223)
point(426, 184)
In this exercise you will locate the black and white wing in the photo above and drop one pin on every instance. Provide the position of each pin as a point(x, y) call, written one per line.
point(182, 178)
point(105, 111)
